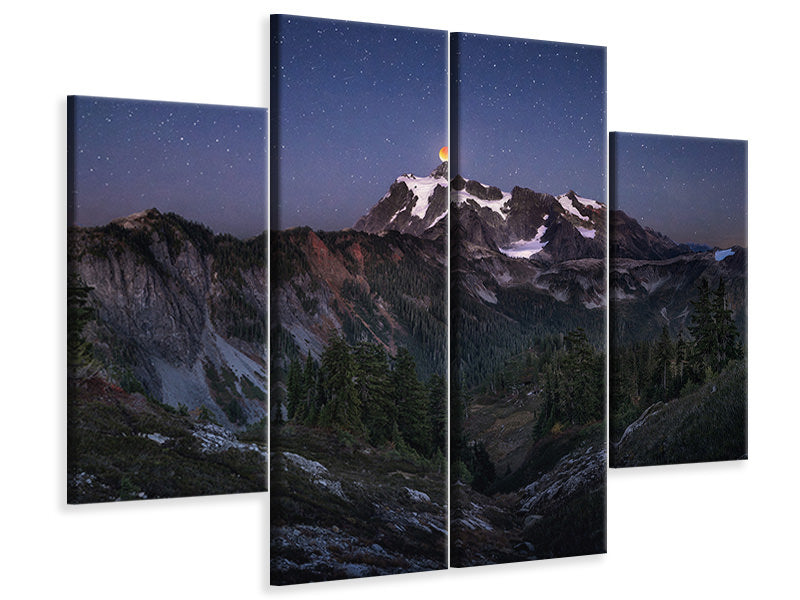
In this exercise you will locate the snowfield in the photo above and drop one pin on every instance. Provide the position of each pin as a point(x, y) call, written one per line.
point(422, 188)
point(723, 254)
point(526, 248)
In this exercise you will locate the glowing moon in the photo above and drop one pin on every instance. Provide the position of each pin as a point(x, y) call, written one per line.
point(443, 153)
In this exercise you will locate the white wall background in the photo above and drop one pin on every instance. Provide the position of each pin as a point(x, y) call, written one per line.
point(726, 69)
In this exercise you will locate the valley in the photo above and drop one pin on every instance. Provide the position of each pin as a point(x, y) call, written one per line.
point(528, 453)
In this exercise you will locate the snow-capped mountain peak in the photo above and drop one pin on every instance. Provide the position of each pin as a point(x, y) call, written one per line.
point(413, 205)
point(523, 223)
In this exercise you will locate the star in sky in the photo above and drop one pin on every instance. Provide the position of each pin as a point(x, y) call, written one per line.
point(530, 113)
point(207, 163)
point(690, 189)
point(355, 106)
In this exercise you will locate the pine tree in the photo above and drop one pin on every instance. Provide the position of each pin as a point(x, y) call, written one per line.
point(294, 387)
point(413, 415)
point(437, 400)
point(341, 403)
point(79, 314)
point(716, 338)
point(379, 414)
point(703, 331)
point(664, 356)
point(728, 346)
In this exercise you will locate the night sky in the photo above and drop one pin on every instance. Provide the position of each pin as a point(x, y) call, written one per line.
point(531, 113)
point(690, 189)
point(207, 163)
point(355, 106)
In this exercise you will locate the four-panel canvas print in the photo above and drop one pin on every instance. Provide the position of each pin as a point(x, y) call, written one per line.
point(166, 300)
point(528, 227)
point(678, 286)
point(437, 291)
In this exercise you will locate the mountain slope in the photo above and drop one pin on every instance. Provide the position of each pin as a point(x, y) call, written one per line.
point(651, 294)
point(386, 288)
point(706, 424)
point(653, 280)
point(122, 446)
point(524, 265)
point(631, 240)
point(180, 313)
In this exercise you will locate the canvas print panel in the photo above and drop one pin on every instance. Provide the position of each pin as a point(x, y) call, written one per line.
point(678, 318)
point(528, 228)
point(358, 321)
point(166, 300)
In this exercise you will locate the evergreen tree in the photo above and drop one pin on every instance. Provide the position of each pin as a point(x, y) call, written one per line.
point(703, 331)
point(728, 346)
point(294, 388)
point(79, 314)
point(714, 332)
point(664, 356)
point(413, 415)
point(437, 400)
point(573, 385)
point(481, 466)
point(341, 403)
point(372, 386)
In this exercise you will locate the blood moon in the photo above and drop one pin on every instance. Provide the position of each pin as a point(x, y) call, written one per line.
point(443, 153)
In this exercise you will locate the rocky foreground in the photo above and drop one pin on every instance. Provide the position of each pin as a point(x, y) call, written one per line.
point(342, 509)
point(123, 446)
point(560, 513)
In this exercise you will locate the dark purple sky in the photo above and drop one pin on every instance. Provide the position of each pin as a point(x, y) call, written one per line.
point(529, 113)
point(690, 189)
point(207, 163)
point(355, 106)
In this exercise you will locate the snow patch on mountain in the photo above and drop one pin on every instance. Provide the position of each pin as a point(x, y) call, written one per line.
point(422, 188)
point(395, 215)
point(651, 285)
point(586, 232)
point(439, 218)
point(463, 197)
point(526, 248)
point(566, 203)
point(587, 202)
point(723, 254)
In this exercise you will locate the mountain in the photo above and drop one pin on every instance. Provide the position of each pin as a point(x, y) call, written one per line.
point(695, 247)
point(631, 240)
point(653, 280)
point(706, 423)
point(413, 205)
point(386, 288)
point(525, 264)
point(382, 281)
point(179, 313)
point(524, 223)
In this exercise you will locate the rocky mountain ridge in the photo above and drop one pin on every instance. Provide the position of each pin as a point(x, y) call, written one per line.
point(180, 312)
point(413, 205)
point(386, 288)
point(653, 280)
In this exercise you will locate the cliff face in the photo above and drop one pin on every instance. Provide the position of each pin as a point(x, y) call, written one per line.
point(180, 313)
